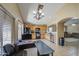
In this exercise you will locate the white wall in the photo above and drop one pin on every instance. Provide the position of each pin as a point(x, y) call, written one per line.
point(13, 9)
point(73, 29)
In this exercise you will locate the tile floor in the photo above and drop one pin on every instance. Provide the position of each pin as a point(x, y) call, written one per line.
point(70, 48)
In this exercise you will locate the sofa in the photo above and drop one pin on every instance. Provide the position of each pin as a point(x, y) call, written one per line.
point(67, 35)
point(12, 50)
point(75, 35)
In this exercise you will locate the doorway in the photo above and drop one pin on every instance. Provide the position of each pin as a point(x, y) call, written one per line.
point(37, 33)
point(71, 32)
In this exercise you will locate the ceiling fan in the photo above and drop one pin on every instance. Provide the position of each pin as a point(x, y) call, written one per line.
point(39, 13)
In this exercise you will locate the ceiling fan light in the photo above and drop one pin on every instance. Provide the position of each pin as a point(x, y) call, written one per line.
point(34, 12)
point(42, 14)
point(38, 14)
point(40, 11)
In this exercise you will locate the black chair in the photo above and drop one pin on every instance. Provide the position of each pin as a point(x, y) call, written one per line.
point(10, 50)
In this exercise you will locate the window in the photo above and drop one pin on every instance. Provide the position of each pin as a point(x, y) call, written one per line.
point(6, 23)
point(20, 30)
point(50, 29)
point(1, 18)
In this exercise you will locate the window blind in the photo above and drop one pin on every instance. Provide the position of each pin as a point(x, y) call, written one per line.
point(6, 24)
point(7, 29)
point(1, 22)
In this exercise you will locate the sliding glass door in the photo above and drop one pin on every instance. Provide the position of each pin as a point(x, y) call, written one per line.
point(6, 23)
point(1, 36)
point(7, 29)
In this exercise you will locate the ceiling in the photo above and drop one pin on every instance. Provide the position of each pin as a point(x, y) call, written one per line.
point(72, 21)
point(49, 10)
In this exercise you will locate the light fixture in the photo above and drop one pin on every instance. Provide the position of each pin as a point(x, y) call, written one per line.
point(34, 12)
point(39, 13)
point(73, 24)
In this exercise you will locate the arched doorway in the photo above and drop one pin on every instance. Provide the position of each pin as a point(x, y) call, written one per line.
point(69, 29)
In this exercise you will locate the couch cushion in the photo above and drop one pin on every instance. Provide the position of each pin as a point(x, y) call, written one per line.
point(9, 49)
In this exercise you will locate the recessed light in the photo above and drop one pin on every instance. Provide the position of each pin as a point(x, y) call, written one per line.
point(75, 18)
point(73, 24)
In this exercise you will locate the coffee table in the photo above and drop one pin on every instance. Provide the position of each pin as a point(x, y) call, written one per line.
point(43, 49)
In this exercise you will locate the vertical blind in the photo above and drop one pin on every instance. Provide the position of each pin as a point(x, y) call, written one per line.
point(5, 29)
point(1, 20)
